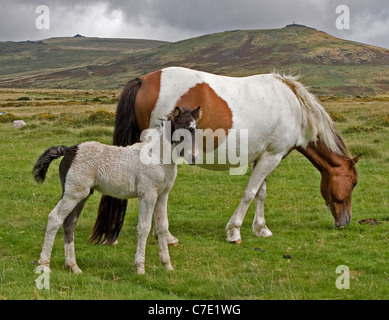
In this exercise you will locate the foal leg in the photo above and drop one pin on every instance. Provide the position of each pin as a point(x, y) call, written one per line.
point(68, 226)
point(161, 227)
point(259, 225)
point(56, 218)
point(161, 206)
point(146, 208)
point(265, 165)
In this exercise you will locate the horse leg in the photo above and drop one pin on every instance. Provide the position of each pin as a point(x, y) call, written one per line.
point(161, 205)
point(56, 218)
point(171, 240)
point(68, 226)
point(259, 225)
point(146, 208)
point(265, 165)
point(161, 228)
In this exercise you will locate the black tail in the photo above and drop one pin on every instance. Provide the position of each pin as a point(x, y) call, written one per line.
point(42, 165)
point(110, 216)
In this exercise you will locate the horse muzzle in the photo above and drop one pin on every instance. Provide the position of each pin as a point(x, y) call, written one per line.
point(342, 218)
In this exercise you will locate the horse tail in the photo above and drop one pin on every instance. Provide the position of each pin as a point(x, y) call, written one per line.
point(319, 122)
point(111, 212)
point(126, 129)
point(42, 165)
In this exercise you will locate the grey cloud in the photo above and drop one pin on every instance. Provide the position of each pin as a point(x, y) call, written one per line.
point(178, 19)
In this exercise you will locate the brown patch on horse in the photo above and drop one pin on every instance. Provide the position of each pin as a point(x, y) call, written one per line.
point(215, 111)
point(146, 98)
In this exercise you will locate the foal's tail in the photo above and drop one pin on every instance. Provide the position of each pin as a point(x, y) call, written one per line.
point(110, 216)
point(42, 165)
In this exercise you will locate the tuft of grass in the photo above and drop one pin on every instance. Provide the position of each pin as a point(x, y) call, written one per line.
point(362, 128)
point(90, 133)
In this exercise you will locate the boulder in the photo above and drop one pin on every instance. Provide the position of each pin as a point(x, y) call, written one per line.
point(19, 124)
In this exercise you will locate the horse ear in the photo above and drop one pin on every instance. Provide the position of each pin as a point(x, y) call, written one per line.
point(176, 112)
point(196, 113)
point(356, 159)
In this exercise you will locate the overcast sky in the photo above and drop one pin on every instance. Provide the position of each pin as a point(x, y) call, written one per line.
point(174, 20)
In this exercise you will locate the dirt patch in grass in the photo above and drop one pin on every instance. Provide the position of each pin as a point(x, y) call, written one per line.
point(370, 221)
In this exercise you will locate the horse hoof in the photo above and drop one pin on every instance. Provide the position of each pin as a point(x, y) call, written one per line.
point(233, 235)
point(236, 241)
point(73, 268)
point(169, 267)
point(172, 241)
point(45, 268)
point(105, 243)
point(140, 270)
point(263, 232)
point(76, 270)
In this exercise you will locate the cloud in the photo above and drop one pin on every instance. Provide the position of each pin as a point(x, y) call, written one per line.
point(174, 20)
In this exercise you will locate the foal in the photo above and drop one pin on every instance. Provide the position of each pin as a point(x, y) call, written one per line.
point(119, 172)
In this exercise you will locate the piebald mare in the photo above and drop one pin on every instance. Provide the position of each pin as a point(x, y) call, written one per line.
point(280, 116)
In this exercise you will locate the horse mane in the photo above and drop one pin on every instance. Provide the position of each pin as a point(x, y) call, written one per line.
point(320, 123)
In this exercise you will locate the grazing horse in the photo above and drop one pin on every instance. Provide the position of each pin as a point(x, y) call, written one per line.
point(280, 116)
point(121, 172)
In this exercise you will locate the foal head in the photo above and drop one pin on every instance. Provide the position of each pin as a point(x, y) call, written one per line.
point(337, 184)
point(183, 128)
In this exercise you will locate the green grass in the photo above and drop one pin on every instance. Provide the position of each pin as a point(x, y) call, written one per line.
point(200, 205)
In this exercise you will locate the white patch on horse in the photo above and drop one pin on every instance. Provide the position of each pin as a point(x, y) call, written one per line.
point(192, 125)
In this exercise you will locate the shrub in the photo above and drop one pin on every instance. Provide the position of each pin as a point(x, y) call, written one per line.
point(46, 117)
point(7, 117)
point(24, 99)
point(67, 119)
point(101, 117)
point(336, 117)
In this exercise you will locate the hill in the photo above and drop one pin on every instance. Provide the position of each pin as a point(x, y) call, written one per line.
point(330, 66)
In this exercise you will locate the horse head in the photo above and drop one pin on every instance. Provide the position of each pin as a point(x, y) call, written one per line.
point(337, 184)
point(183, 128)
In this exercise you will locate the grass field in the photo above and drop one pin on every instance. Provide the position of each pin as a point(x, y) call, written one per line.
point(200, 205)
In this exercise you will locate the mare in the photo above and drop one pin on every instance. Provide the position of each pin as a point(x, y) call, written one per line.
point(280, 115)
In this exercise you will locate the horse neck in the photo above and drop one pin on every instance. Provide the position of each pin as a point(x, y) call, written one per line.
point(322, 157)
